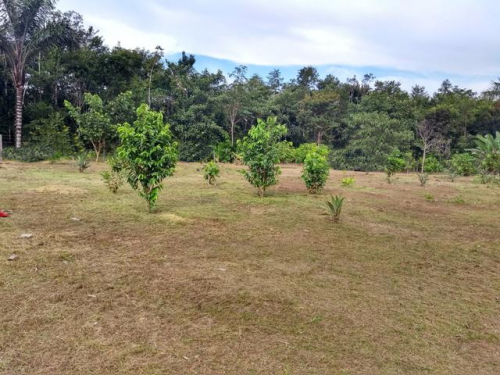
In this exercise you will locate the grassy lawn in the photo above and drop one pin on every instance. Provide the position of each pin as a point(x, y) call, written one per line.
point(219, 281)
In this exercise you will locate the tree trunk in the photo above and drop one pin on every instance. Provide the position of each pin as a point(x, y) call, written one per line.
point(423, 159)
point(19, 115)
point(319, 138)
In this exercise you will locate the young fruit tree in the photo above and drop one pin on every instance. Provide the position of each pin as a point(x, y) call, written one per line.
point(316, 171)
point(94, 124)
point(261, 151)
point(149, 153)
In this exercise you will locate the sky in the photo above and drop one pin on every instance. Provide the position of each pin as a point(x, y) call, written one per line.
point(415, 42)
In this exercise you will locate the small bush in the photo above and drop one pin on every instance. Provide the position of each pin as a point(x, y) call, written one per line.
point(211, 172)
point(334, 207)
point(224, 152)
point(82, 161)
point(316, 170)
point(113, 180)
point(452, 175)
point(423, 178)
point(28, 153)
point(432, 165)
point(347, 181)
point(287, 154)
point(394, 164)
point(463, 164)
point(306, 148)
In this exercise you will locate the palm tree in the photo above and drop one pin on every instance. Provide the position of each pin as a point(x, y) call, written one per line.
point(27, 27)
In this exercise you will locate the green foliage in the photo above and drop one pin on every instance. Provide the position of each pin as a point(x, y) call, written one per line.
point(224, 152)
point(395, 163)
point(211, 172)
point(260, 151)
point(432, 165)
point(94, 124)
point(462, 164)
point(51, 133)
point(113, 180)
point(410, 162)
point(429, 197)
point(287, 154)
point(452, 175)
point(423, 178)
point(369, 139)
point(316, 171)
point(334, 207)
point(347, 181)
point(149, 153)
point(28, 153)
point(457, 200)
point(82, 161)
point(306, 148)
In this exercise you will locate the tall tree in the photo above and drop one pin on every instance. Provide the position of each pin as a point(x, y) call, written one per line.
point(26, 28)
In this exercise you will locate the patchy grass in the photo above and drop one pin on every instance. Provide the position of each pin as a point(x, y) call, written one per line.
point(218, 281)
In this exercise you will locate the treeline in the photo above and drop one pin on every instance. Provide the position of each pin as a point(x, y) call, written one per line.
point(362, 121)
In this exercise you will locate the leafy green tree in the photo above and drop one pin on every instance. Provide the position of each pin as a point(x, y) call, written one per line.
point(261, 152)
point(149, 153)
point(369, 140)
point(94, 124)
point(316, 171)
point(395, 163)
point(488, 151)
point(27, 27)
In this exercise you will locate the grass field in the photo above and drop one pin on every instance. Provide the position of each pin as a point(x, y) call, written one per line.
point(219, 281)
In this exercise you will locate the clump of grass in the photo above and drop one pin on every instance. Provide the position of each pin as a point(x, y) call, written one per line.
point(82, 162)
point(334, 207)
point(429, 197)
point(347, 181)
point(423, 178)
point(457, 200)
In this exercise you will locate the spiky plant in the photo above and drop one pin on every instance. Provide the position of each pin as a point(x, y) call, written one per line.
point(334, 207)
point(423, 178)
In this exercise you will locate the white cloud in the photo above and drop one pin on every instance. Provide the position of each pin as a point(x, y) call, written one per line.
point(456, 37)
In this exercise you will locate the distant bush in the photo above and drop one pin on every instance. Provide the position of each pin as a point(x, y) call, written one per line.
point(211, 172)
point(287, 154)
point(432, 165)
point(347, 181)
point(28, 153)
point(82, 161)
point(423, 178)
point(305, 148)
point(429, 197)
point(114, 179)
point(316, 170)
point(394, 164)
point(224, 152)
point(51, 133)
point(463, 164)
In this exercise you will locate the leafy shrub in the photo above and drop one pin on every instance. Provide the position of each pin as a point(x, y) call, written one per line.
point(394, 164)
point(287, 154)
point(423, 178)
point(211, 172)
point(306, 148)
point(82, 161)
point(316, 170)
point(463, 164)
point(113, 180)
point(149, 153)
point(432, 165)
point(347, 181)
point(334, 207)
point(51, 133)
point(410, 162)
point(224, 152)
point(488, 152)
point(260, 151)
point(28, 153)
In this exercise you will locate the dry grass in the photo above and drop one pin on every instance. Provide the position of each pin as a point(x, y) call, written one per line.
point(218, 281)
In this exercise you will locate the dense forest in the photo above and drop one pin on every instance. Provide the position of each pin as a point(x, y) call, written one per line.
point(362, 120)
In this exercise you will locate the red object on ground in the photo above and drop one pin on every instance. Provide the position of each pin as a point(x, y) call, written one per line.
point(4, 214)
